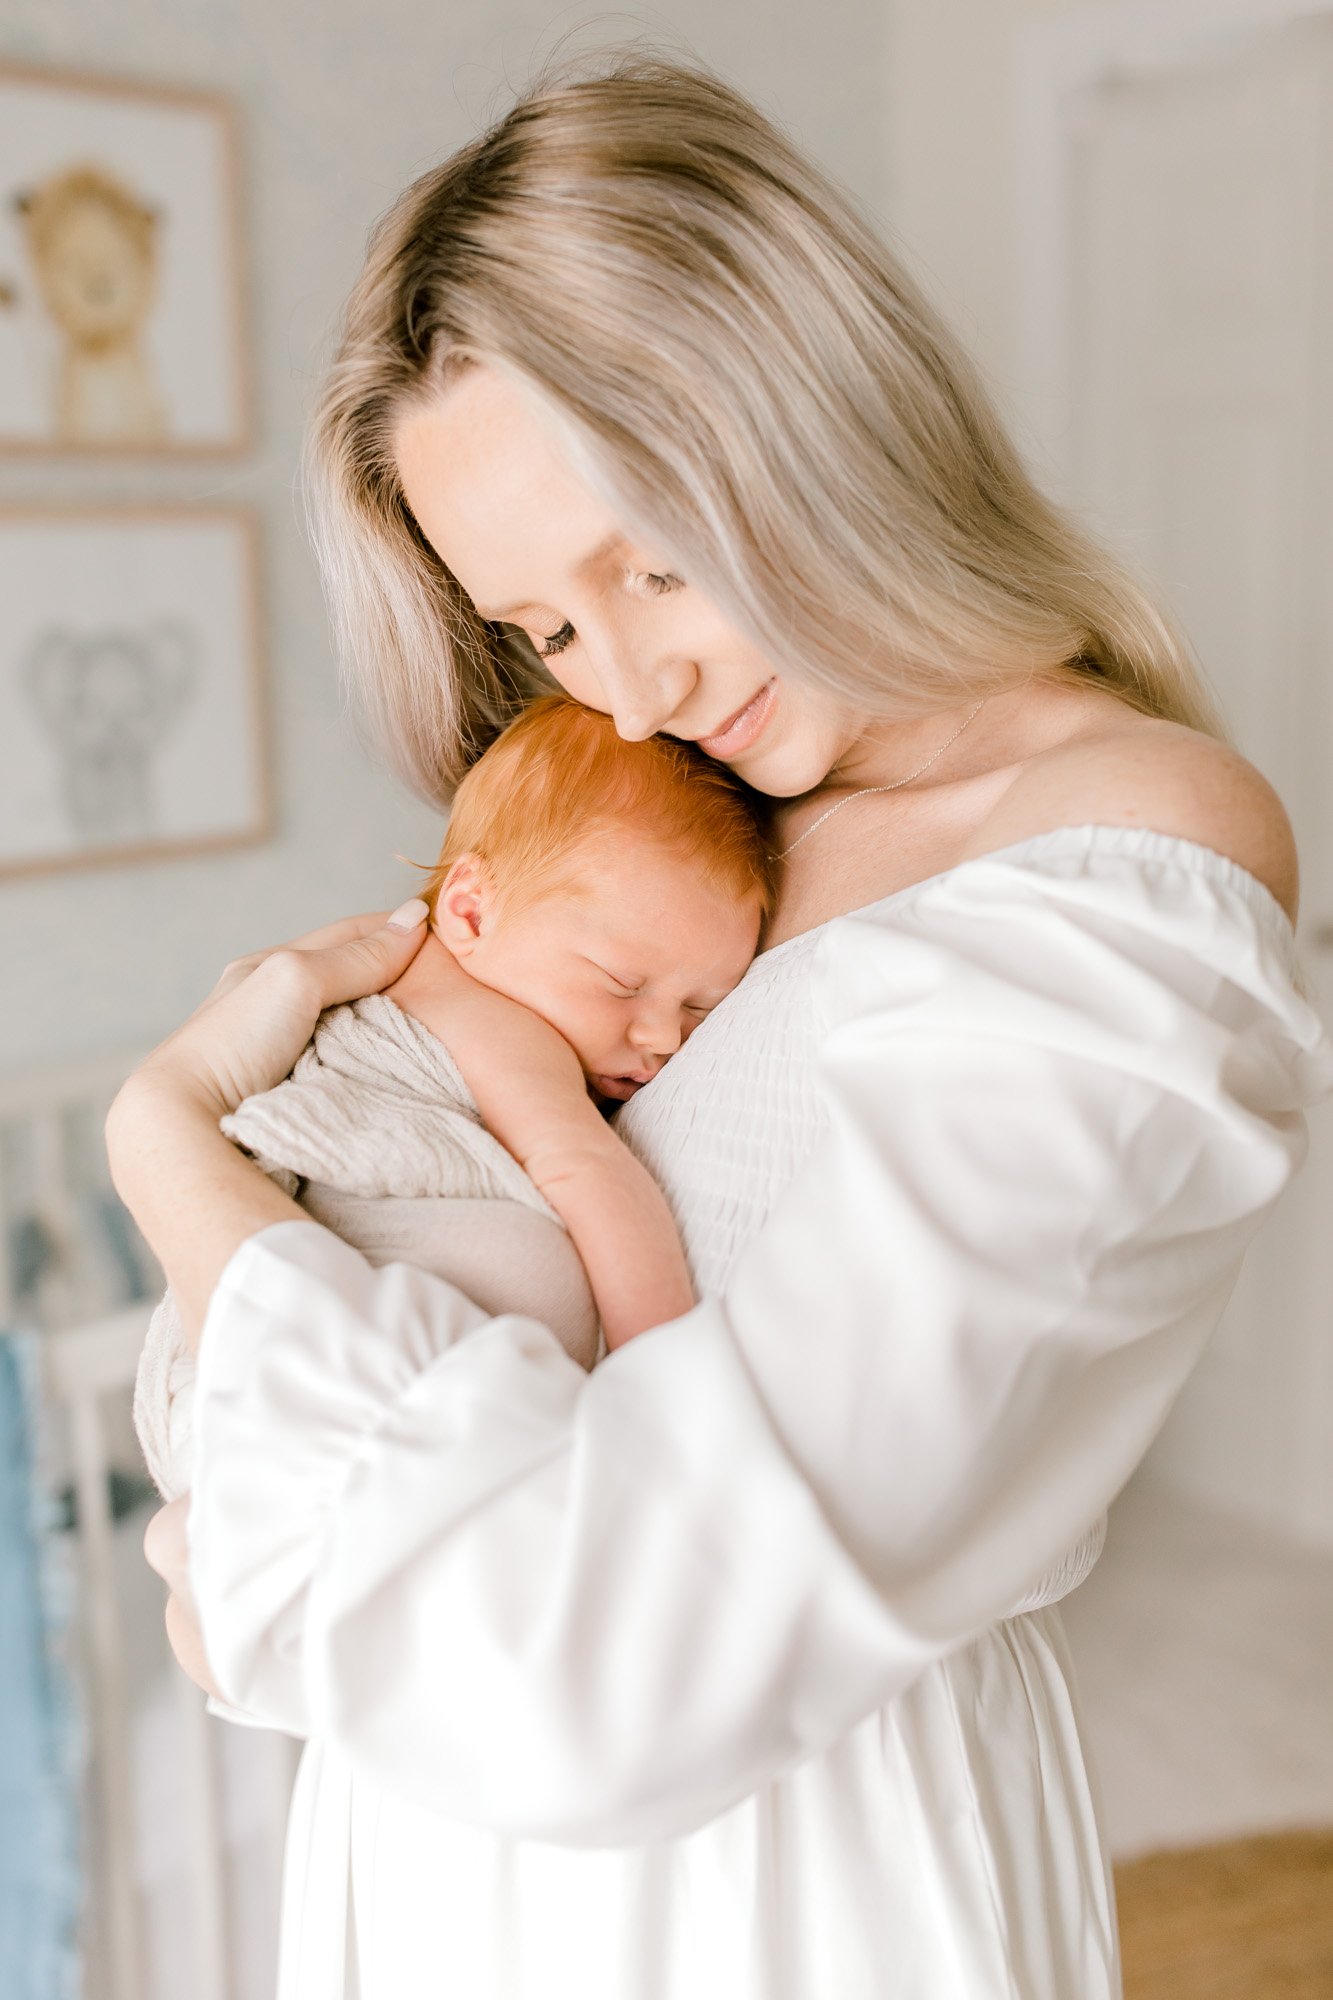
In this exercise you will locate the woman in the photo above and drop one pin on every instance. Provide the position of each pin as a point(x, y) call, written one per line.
point(732, 1669)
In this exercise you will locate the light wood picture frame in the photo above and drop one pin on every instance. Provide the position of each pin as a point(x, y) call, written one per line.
point(132, 708)
point(123, 309)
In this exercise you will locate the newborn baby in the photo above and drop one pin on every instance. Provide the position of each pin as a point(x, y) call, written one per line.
point(614, 889)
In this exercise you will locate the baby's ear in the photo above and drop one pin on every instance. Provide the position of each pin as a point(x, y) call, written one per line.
point(464, 904)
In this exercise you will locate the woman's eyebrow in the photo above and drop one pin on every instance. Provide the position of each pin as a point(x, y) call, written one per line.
point(506, 611)
point(609, 542)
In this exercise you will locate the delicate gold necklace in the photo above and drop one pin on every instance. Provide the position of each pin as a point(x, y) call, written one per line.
point(897, 783)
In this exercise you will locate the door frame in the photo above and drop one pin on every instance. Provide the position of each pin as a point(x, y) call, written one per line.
point(1101, 44)
point(1056, 57)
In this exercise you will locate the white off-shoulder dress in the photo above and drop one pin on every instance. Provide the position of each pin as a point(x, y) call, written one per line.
point(706, 1676)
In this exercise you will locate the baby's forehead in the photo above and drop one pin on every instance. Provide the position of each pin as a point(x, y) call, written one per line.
point(652, 941)
point(627, 880)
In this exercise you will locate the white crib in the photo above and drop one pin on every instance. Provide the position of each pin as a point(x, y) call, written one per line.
point(184, 1813)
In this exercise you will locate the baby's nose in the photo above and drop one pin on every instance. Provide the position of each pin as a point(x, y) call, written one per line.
point(657, 1034)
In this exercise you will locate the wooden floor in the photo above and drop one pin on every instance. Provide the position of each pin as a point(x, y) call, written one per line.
point(1249, 1920)
point(1204, 1653)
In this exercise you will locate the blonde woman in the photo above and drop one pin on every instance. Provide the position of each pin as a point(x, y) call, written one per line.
point(732, 1671)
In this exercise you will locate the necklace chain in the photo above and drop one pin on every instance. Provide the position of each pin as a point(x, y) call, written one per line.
point(895, 786)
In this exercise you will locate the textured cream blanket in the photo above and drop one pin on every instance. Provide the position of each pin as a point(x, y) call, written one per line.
point(377, 1136)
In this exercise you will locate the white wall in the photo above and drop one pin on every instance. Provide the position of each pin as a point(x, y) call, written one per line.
point(951, 142)
point(341, 104)
point(952, 136)
point(1248, 1435)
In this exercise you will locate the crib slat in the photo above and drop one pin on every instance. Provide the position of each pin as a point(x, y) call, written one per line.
point(8, 1216)
point(86, 1170)
point(96, 1359)
point(107, 1695)
point(207, 1858)
point(39, 1113)
point(48, 1167)
point(52, 1202)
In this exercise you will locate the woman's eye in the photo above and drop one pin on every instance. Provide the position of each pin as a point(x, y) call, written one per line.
point(658, 584)
point(557, 641)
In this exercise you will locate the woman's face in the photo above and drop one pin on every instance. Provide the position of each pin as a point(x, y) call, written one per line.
point(534, 547)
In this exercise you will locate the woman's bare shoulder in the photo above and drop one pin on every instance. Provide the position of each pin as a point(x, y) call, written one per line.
point(1146, 771)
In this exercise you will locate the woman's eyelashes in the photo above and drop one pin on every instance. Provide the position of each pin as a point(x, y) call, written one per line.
point(556, 643)
point(657, 583)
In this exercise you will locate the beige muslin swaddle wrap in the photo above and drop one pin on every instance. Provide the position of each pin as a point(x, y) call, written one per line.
point(377, 1136)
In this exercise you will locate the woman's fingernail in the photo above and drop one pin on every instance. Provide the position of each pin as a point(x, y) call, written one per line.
point(409, 915)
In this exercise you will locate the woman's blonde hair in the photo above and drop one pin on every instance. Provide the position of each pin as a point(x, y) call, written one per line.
point(750, 378)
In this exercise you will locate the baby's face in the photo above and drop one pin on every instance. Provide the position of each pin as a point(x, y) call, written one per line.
point(625, 963)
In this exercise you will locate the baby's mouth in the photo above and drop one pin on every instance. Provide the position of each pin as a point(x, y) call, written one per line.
point(620, 1087)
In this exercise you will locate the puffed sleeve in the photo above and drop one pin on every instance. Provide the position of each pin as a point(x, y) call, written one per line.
point(599, 1610)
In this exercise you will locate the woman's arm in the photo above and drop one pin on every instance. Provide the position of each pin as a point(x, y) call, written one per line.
point(602, 1609)
point(193, 1195)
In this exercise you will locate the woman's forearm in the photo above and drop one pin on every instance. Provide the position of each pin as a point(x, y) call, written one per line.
point(193, 1195)
point(196, 1198)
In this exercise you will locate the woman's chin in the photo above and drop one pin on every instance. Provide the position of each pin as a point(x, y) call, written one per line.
point(786, 771)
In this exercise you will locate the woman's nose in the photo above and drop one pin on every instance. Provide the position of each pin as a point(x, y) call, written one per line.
point(642, 700)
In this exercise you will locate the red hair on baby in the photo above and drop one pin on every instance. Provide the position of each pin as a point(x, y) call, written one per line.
point(559, 776)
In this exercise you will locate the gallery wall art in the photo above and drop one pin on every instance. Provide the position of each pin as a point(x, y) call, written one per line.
point(122, 315)
point(131, 685)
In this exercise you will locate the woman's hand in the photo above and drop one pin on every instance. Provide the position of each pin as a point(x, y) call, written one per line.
point(254, 1024)
point(167, 1549)
point(195, 1196)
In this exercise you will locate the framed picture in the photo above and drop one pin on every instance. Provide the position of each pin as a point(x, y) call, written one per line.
point(130, 685)
point(121, 309)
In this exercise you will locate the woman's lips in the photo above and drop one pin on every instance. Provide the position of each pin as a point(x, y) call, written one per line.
point(744, 727)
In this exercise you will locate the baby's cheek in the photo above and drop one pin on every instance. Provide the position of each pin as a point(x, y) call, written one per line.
point(608, 1026)
point(587, 1022)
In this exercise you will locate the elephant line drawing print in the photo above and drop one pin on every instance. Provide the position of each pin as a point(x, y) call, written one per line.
point(133, 713)
point(109, 702)
point(93, 247)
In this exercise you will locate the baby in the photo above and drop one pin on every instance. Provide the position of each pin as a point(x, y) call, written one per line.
point(614, 889)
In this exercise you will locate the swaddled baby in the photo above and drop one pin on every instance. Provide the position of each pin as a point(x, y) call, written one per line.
point(615, 889)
